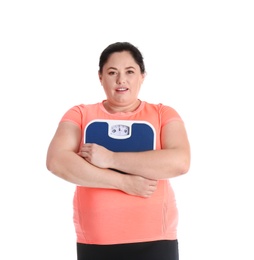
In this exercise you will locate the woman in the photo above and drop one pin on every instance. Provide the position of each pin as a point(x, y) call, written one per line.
point(120, 153)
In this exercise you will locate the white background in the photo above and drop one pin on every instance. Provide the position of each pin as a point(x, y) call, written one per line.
point(200, 60)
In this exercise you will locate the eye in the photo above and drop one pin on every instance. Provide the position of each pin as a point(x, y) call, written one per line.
point(130, 71)
point(112, 73)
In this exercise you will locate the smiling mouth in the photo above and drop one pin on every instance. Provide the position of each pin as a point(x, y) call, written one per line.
point(121, 89)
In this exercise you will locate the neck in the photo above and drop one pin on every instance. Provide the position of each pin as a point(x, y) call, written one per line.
point(113, 108)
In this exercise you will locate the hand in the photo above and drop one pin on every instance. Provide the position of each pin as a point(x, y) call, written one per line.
point(97, 155)
point(139, 186)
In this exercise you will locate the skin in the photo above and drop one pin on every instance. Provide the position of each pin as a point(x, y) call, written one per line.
point(121, 79)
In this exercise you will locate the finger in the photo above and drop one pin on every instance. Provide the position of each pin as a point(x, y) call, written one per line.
point(153, 184)
point(85, 148)
point(84, 154)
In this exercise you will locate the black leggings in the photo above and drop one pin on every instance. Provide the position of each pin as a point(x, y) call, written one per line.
point(155, 250)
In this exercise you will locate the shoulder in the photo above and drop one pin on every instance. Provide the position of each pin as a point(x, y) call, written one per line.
point(161, 108)
point(82, 107)
point(164, 112)
point(76, 113)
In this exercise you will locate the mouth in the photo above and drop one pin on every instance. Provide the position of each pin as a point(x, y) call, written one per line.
point(121, 89)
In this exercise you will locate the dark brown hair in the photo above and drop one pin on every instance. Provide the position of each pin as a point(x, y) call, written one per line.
point(119, 47)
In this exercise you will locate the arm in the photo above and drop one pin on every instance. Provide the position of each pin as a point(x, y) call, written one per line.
point(63, 161)
point(171, 161)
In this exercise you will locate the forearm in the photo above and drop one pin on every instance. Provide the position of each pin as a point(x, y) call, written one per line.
point(159, 164)
point(73, 168)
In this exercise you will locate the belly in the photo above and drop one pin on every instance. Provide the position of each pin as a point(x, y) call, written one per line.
point(104, 216)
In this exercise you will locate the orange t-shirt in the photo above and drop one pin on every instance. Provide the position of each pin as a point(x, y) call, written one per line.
point(107, 216)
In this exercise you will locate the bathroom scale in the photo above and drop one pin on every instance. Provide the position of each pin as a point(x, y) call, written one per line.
point(121, 135)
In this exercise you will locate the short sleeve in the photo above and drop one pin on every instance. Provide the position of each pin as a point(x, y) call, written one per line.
point(75, 115)
point(168, 114)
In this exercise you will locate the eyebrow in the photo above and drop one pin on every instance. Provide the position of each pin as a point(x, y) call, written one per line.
point(127, 68)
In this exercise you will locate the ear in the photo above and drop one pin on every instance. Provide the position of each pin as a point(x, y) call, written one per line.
point(100, 76)
point(143, 77)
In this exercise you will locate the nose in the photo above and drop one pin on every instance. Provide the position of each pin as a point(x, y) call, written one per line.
point(120, 79)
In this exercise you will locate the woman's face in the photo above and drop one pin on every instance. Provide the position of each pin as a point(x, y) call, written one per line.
point(121, 79)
